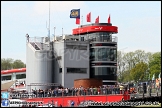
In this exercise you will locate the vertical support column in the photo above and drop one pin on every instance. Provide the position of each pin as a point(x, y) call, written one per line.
point(13, 76)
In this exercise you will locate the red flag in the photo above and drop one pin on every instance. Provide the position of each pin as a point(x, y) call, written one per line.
point(109, 19)
point(77, 20)
point(97, 20)
point(89, 17)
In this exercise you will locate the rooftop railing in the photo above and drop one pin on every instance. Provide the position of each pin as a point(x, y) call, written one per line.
point(41, 39)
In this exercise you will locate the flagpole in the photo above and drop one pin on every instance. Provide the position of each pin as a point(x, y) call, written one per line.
point(110, 16)
point(79, 24)
point(79, 29)
point(82, 19)
point(49, 25)
point(90, 18)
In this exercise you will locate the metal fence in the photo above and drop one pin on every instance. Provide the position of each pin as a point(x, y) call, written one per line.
point(84, 92)
point(66, 92)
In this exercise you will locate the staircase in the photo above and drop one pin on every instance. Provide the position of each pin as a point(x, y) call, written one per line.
point(35, 46)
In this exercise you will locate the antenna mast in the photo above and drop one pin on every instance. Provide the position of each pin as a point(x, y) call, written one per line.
point(49, 25)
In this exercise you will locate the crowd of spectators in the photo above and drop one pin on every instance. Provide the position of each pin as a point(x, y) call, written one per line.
point(76, 91)
point(81, 91)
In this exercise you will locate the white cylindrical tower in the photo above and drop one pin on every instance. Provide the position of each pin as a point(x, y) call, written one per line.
point(38, 68)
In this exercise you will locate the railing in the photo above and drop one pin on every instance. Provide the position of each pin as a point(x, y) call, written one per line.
point(35, 46)
point(113, 39)
point(40, 39)
point(69, 92)
point(86, 92)
point(38, 45)
point(46, 40)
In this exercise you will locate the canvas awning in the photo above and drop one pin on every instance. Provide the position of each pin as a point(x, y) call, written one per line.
point(6, 86)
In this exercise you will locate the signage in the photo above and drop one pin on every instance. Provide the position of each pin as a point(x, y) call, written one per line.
point(5, 97)
point(95, 28)
point(99, 28)
point(5, 103)
point(75, 13)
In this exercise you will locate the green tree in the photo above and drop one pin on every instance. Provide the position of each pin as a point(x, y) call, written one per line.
point(126, 76)
point(9, 63)
point(155, 65)
point(139, 56)
point(139, 71)
point(120, 63)
point(6, 63)
point(18, 64)
point(129, 60)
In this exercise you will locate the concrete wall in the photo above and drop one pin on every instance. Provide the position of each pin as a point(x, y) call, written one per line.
point(75, 58)
point(39, 64)
point(38, 67)
point(70, 58)
point(58, 51)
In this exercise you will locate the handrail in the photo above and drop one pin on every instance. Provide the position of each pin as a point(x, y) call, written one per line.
point(37, 45)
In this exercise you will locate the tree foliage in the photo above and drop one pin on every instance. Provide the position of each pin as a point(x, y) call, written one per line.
point(139, 71)
point(155, 64)
point(10, 63)
point(18, 64)
point(138, 64)
point(6, 63)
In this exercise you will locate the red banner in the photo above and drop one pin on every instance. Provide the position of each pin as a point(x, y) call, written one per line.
point(77, 20)
point(97, 20)
point(89, 17)
point(109, 19)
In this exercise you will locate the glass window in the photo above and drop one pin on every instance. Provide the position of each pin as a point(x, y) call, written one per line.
point(103, 54)
point(76, 70)
point(105, 70)
point(96, 54)
point(8, 77)
point(82, 38)
point(60, 70)
point(92, 54)
point(96, 71)
point(108, 54)
point(20, 76)
point(100, 36)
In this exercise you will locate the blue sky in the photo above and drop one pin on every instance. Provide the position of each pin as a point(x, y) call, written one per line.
point(139, 23)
